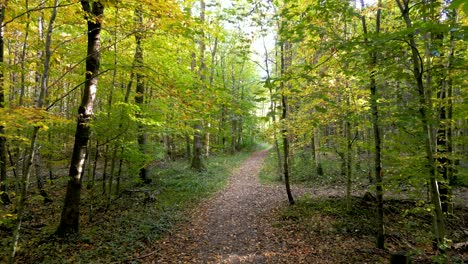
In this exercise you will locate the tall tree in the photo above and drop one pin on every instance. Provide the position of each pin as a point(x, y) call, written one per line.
point(3, 157)
point(140, 88)
point(285, 50)
point(70, 218)
point(425, 110)
point(375, 125)
point(197, 158)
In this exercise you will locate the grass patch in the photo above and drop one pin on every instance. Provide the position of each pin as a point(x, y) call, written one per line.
point(269, 172)
point(140, 215)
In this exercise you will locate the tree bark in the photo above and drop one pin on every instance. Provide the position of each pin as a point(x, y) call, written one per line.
point(69, 221)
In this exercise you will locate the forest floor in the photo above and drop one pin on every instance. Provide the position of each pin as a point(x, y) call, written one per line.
point(247, 223)
point(231, 214)
point(233, 226)
point(236, 225)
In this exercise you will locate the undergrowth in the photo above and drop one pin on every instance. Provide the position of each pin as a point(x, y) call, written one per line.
point(407, 225)
point(110, 232)
point(303, 171)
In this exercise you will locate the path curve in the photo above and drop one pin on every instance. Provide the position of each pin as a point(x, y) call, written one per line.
point(235, 226)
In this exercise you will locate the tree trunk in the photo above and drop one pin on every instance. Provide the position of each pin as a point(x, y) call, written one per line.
point(444, 133)
point(95, 162)
point(24, 187)
point(69, 221)
point(273, 114)
point(112, 172)
point(40, 177)
point(104, 169)
point(197, 159)
point(23, 57)
point(378, 172)
point(348, 159)
point(188, 148)
point(3, 151)
point(30, 154)
point(316, 152)
point(140, 93)
point(284, 130)
point(119, 173)
point(425, 109)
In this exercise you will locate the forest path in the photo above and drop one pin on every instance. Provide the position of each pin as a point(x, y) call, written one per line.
point(235, 226)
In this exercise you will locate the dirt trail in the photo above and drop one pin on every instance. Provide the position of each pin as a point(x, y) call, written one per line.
point(235, 226)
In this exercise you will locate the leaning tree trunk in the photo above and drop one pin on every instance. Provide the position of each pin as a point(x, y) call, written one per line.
point(70, 218)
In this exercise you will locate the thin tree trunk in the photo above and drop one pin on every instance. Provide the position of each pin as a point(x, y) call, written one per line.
point(95, 165)
point(211, 79)
point(444, 133)
point(284, 131)
point(24, 187)
point(348, 159)
point(104, 170)
point(33, 145)
point(119, 173)
point(3, 149)
point(140, 93)
point(111, 178)
point(23, 56)
point(207, 142)
point(188, 149)
point(275, 136)
point(70, 218)
point(273, 113)
point(40, 177)
point(378, 172)
point(425, 109)
point(109, 104)
point(197, 159)
point(316, 151)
